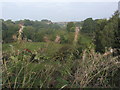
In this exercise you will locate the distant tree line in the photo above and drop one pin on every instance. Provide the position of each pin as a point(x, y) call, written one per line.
point(104, 33)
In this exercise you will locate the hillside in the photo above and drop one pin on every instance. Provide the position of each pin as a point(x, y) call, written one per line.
point(46, 54)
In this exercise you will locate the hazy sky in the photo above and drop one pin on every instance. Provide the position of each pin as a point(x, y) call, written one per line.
point(58, 11)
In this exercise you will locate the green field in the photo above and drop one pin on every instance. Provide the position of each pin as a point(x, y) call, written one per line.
point(33, 46)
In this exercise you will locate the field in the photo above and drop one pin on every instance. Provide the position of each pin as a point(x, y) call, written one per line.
point(33, 46)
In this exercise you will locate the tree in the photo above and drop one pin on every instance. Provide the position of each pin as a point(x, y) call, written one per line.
point(70, 27)
point(89, 26)
point(29, 32)
point(9, 28)
point(101, 23)
point(107, 34)
point(117, 33)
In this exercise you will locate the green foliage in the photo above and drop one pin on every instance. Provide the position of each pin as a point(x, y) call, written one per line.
point(70, 27)
point(89, 26)
point(92, 71)
point(65, 52)
point(101, 23)
point(34, 30)
point(84, 41)
point(79, 24)
point(8, 30)
point(105, 37)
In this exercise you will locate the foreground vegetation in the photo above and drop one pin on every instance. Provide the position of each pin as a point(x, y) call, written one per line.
point(66, 67)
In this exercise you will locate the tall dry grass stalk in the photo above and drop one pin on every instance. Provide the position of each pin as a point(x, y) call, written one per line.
point(92, 65)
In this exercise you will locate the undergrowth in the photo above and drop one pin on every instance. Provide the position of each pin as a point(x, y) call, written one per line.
point(68, 67)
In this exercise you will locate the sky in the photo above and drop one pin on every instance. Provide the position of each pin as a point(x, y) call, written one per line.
point(57, 11)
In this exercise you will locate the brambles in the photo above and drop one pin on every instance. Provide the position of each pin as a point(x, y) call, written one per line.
point(62, 70)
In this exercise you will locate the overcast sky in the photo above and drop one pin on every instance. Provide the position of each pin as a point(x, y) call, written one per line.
point(58, 11)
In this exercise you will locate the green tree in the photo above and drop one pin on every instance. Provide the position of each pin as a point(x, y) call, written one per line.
point(117, 33)
point(101, 23)
point(89, 26)
point(106, 35)
point(8, 29)
point(71, 27)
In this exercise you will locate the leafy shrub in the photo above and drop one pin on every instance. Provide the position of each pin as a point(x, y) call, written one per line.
point(62, 70)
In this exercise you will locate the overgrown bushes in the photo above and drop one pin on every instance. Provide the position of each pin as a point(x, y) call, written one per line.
point(63, 70)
